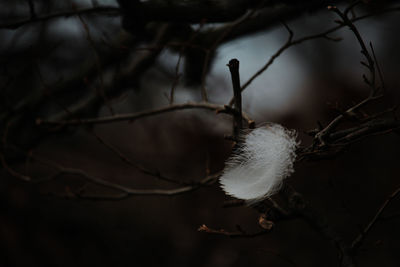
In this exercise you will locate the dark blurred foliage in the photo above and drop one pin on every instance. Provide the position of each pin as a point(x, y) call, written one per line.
point(107, 61)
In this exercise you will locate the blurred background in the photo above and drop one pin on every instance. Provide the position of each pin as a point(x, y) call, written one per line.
point(64, 60)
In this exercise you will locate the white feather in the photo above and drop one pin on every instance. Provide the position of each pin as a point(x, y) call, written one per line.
point(258, 167)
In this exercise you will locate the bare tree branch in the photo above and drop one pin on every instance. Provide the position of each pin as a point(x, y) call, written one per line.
point(292, 42)
point(125, 159)
point(238, 234)
point(109, 11)
point(237, 96)
point(135, 116)
point(361, 237)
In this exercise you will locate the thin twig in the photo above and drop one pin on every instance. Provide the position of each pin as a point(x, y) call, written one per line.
point(3, 160)
point(320, 136)
point(214, 46)
point(370, 62)
point(300, 206)
point(183, 47)
point(324, 34)
point(360, 238)
point(125, 159)
point(239, 234)
point(123, 190)
point(378, 68)
point(99, 89)
point(109, 10)
point(12, 172)
point(139, 115)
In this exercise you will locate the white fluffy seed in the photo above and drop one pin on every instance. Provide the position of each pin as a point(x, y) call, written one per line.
point(258, 167)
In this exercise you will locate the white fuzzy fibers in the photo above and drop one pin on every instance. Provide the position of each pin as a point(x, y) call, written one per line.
point(257, 169)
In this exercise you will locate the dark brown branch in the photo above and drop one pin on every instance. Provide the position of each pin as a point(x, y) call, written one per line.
point(237, 96)
point(110, 11)
point(360, 238)
point(100, 88)
point(325, 35)
point(12, 172)
point(192, 11)
point(380, 74)
point(239, 234)
point(300, 207)
point(183, 46)
point(139, 115)
point(320, 136)
point(370, 62)
point(144, 192)
point(272, 59)
point(144, 170)
point(340, 139)
point(114, 88)
point(368, 128)
point(233, 203)
point(32, 12)
point(227, 30)
point(289, 43)
point(124, 191)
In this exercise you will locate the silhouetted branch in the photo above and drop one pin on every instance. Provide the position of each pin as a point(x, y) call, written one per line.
point(360, 238)
point(238, 234)
point(123, 190)
point(292, 42)
point(237, 96)
point(12, 172)
point(110, 11)
point(300, 207)
point(125, 159)
point(139, 115)
point(320, 136)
